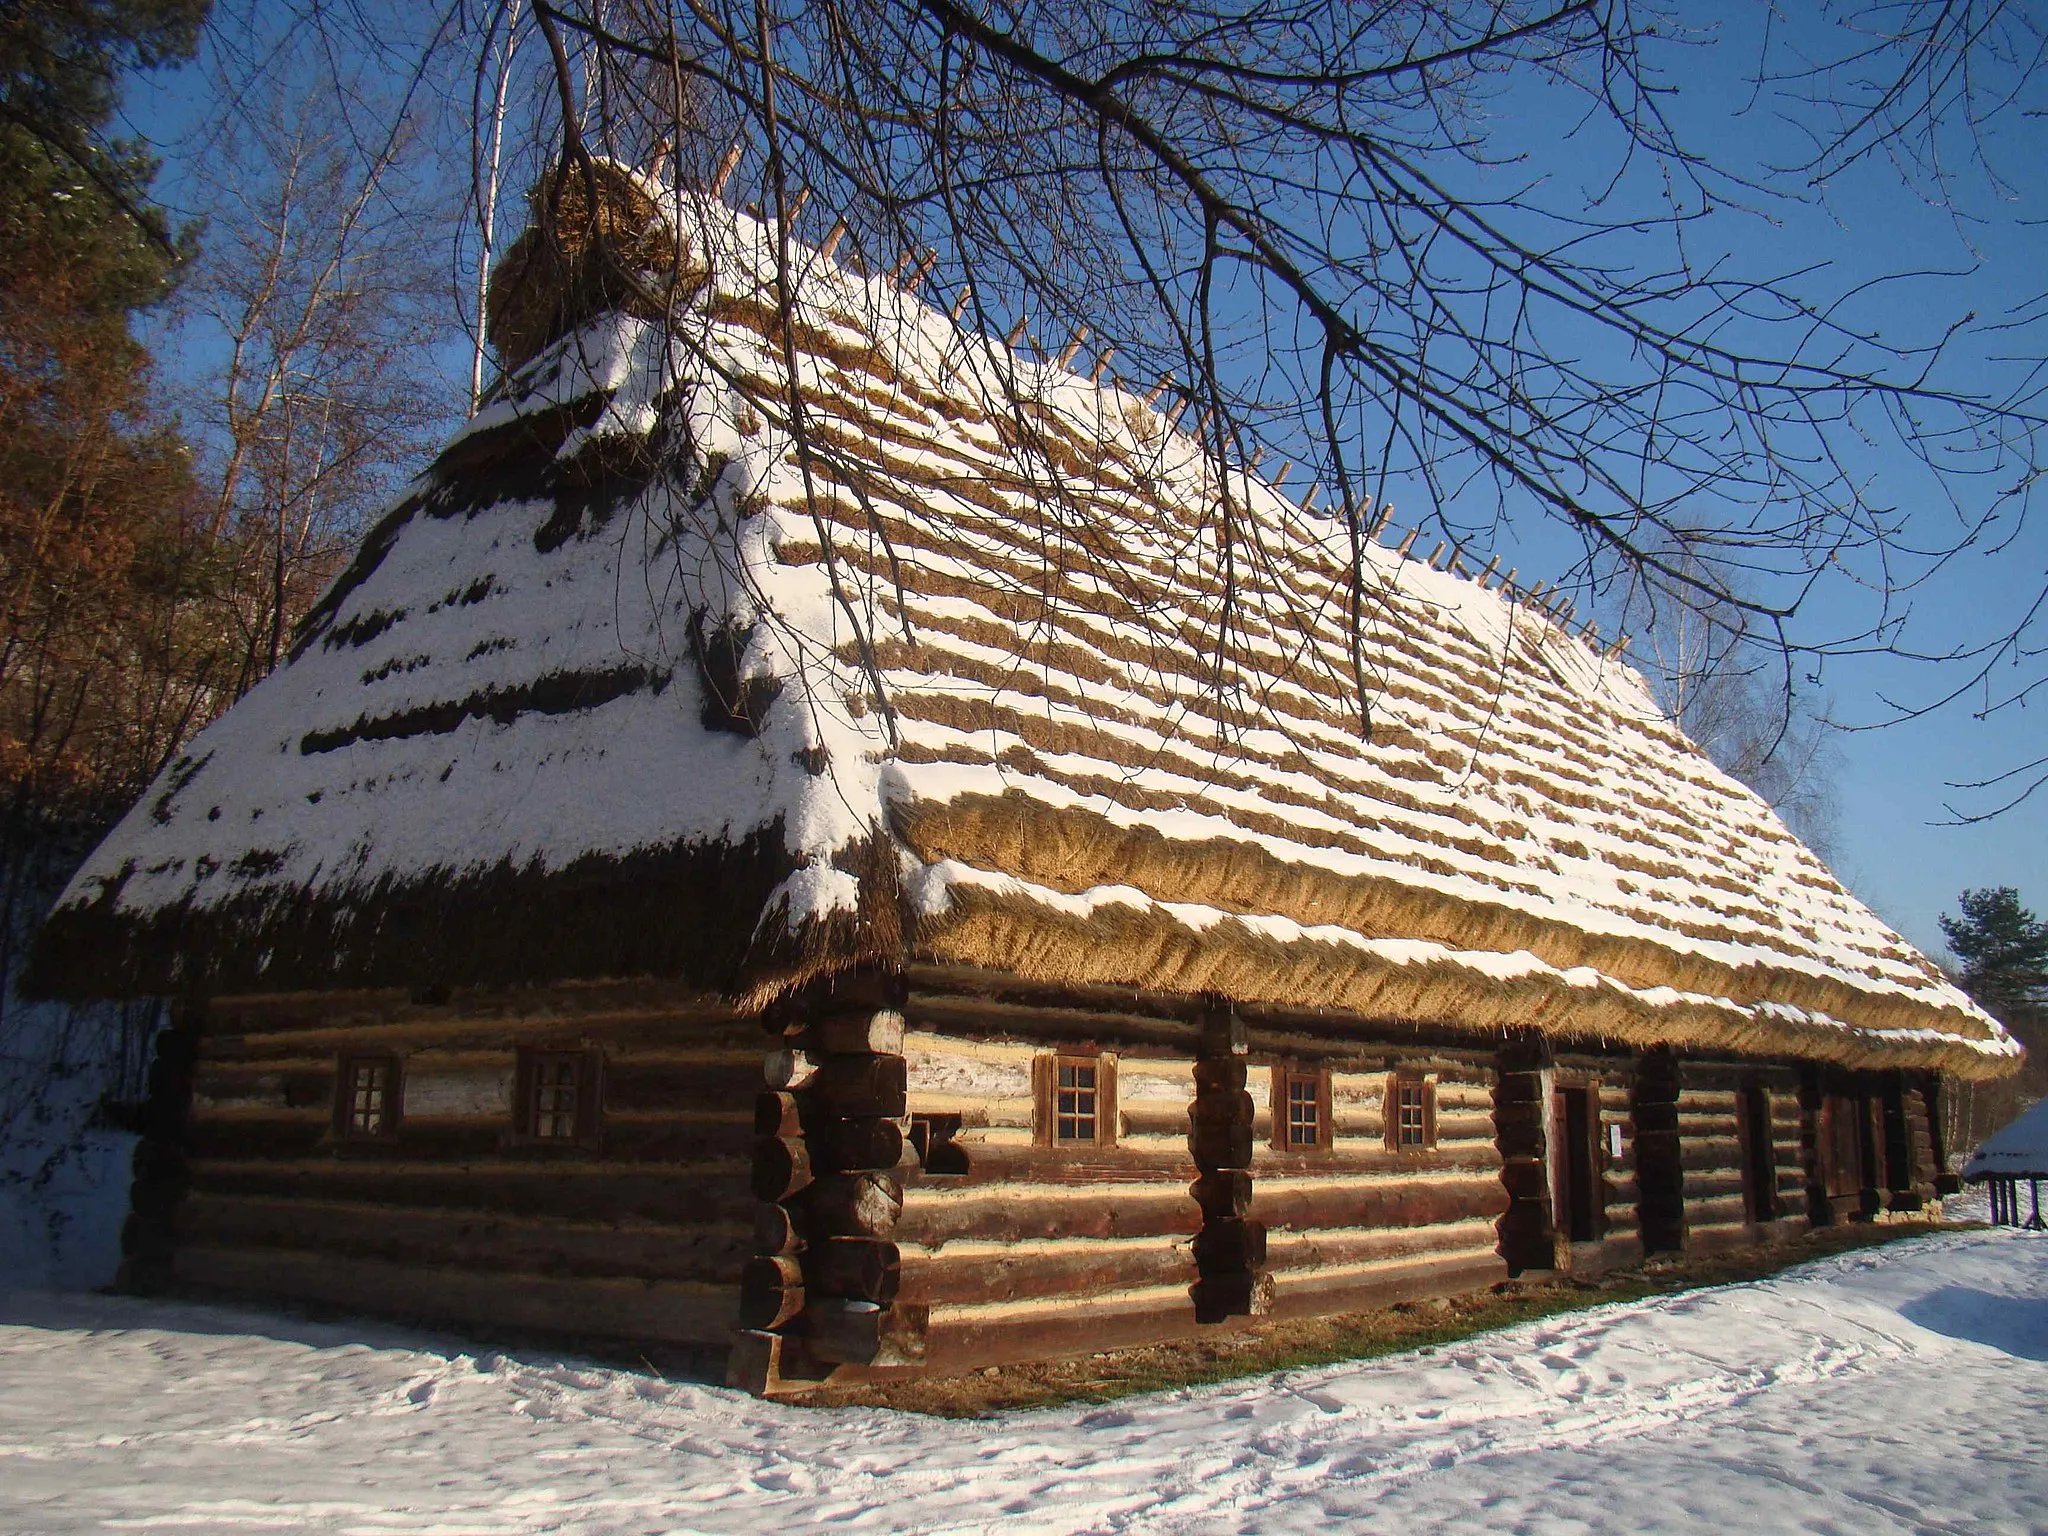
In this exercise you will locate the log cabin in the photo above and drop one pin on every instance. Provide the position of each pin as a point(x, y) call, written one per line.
point(772, 846)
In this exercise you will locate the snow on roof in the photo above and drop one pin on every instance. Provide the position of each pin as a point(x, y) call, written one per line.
point(2020, 1151)
point(947, 686)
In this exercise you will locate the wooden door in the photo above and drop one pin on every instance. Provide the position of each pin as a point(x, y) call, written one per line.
point(1576, 1198)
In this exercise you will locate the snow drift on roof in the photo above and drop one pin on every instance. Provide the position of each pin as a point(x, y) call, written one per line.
point(629, 681)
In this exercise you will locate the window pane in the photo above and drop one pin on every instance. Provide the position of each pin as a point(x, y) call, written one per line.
point(1304, 1112)
point(369, 1092)
point(1410, 1099)
point(1074, 1104)
point(554, 1097)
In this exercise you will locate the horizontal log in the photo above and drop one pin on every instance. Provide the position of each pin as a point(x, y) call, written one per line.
point(859, 1085)
point(1706, 1155)
point(1221, 1110)
point(964, 1338)
point(1222, 1075)
point(621, 1033)
point(853, 1205)
point(861, 1333)
point(1224, 1295)
point(1382, 1203)
point(1221, 1146)
point(1347, 1158)
point(301, 1087)
point(681, 1089)
point(1154, 1117)
point(856, 1144)
point(1725, 1208)
point(672, 1002)
point(1059, 1268)
point(419, 1139)
point(658, 1312)
point(775, 1113)
point(782, 1167)
point(1021, 1162)
point(1313, 1293)
point(708, 1251)
point(771, 1292)
point(876, 1033)
point(1223, 1196)
point(668, 1193)
point(1023, 1212)
point(1354, 1245)
point(1230, 1245)
point(785, 1069)
point(775, 1230)
point(857, 1268)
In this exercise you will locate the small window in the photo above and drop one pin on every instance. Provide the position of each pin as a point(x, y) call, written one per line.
point(367, 1102)
point(558, 1101)
point(1301, 1109)
point(1410, 1113)
point(1077, 1101)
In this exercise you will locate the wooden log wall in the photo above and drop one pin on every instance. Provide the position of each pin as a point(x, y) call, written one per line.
point(1912, 1131)
point(1659, 1163)
point(1230, 1250)
point(1018, 1249)
point(1713, 1154)
point(824, 1289)
point(1618, 1240)
point(1521, 1113)
point(1360, 1223)
point(637, 1231)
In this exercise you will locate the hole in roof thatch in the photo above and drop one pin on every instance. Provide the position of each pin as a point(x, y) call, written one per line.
point(731, 702)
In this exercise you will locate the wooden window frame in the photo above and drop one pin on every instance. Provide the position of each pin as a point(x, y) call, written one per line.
point(345, 1070)
point(589, 1112)
point(1390, 1112)
point(1045, 1076)
point(1287, 1077)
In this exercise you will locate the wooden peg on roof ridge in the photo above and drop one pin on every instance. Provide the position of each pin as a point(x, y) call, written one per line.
point(727, 166)
point(1409, 542)
point(1016, 335)
point(658, 161)
point(923, 269)
point(960, 303)
point(797, 205)
point(833, 236)
point(1485, 577)
point(1280, 476)
point(1258, 453)
point(902, 261)
point(1379, 523)
point(1067, 355)
point(1308, 500)
point(1434, 553)
point(1620, 646)
point(1159, 389)
point(1101, 363)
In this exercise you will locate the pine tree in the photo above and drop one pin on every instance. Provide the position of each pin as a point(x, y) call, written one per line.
point(2003, 947)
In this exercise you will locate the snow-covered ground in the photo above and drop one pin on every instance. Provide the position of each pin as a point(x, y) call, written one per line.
point(1900, 1389)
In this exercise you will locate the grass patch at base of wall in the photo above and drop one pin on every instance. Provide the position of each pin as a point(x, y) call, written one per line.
point(1261, 1347)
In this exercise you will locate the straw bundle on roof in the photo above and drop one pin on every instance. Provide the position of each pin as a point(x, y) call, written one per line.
point(575, 262)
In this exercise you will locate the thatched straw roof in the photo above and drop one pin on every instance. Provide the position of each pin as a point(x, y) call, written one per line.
point(624, 685)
